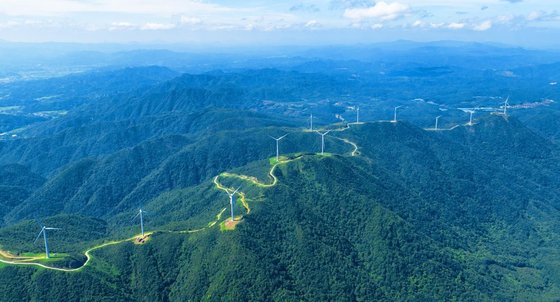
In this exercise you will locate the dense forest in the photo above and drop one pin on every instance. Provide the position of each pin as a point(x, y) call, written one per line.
point(390, 211)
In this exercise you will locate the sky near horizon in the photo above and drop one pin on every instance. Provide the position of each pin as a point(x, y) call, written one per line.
point(523, 22)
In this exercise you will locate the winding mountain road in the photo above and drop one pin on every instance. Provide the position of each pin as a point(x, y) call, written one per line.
point(9, 259)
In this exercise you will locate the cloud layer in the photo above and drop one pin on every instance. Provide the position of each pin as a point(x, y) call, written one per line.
point(381, 11)
point(140, 18)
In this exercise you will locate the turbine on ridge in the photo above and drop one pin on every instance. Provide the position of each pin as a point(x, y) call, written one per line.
point(44, 232)
point(141, 214)
point(323, 140)
point(395, 114)
point(278, 139)
point(231, 199)
point(437, 122)
point(471, 112)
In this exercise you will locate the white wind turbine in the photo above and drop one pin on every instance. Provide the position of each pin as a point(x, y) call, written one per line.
point(437, 122)
point(471, 112)
point(231, 199)
point(323, 140)
point(44, 232)
point(141, 214)
point(506, 103)
point(278, 139)
point(395, 114)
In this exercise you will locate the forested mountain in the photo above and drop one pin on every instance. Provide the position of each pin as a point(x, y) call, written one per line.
point(389, 211)
point(379, 225)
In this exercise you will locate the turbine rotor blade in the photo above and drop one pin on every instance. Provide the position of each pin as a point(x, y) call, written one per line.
point(136, 216)
point(41, 232)
point(53, 229)
point(281, 137)
point(236, 190)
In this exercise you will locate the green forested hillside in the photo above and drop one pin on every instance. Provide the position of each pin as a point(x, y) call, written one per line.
point(391, 211)
point(376, 226)
point(16, 184)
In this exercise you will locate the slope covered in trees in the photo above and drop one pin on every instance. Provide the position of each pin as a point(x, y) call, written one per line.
point(401, 220)
point(464, 214)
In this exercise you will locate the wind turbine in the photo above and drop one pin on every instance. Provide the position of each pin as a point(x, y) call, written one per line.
point(323, 140)
point(311, 122)
point(437, 121)
point(44, 232)
point(471, 112)
point(357, 114)
point(141, 214)
point(277, 139)
point(395, 114)
point(506, 103)
point(231, 199)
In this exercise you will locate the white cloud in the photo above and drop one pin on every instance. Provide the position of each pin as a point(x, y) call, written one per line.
point(455, 25)
point(437, 25)
point(382, 11)
point(8, 24)
point(484, 26)
point(418, 23)
point(190, 20)
point(542, 16)
point(312, 24)
point(505, 18)
point(157, 26)
point(377, 26)
point(121, 26)
point(146, 26)
point(534, 15)
point(147, 7)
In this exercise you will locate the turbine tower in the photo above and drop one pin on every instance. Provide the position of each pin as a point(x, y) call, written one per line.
point(278, 139)
point(323, 140)
point(471, 112)
point(395, 114)
point(506, 103)
point(437, 121)
point(357, 114)
point(231, 199)
point(141, 214)
point(311, 122)
point(44, 232)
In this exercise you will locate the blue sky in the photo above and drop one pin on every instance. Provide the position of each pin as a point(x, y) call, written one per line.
point(310, 22)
